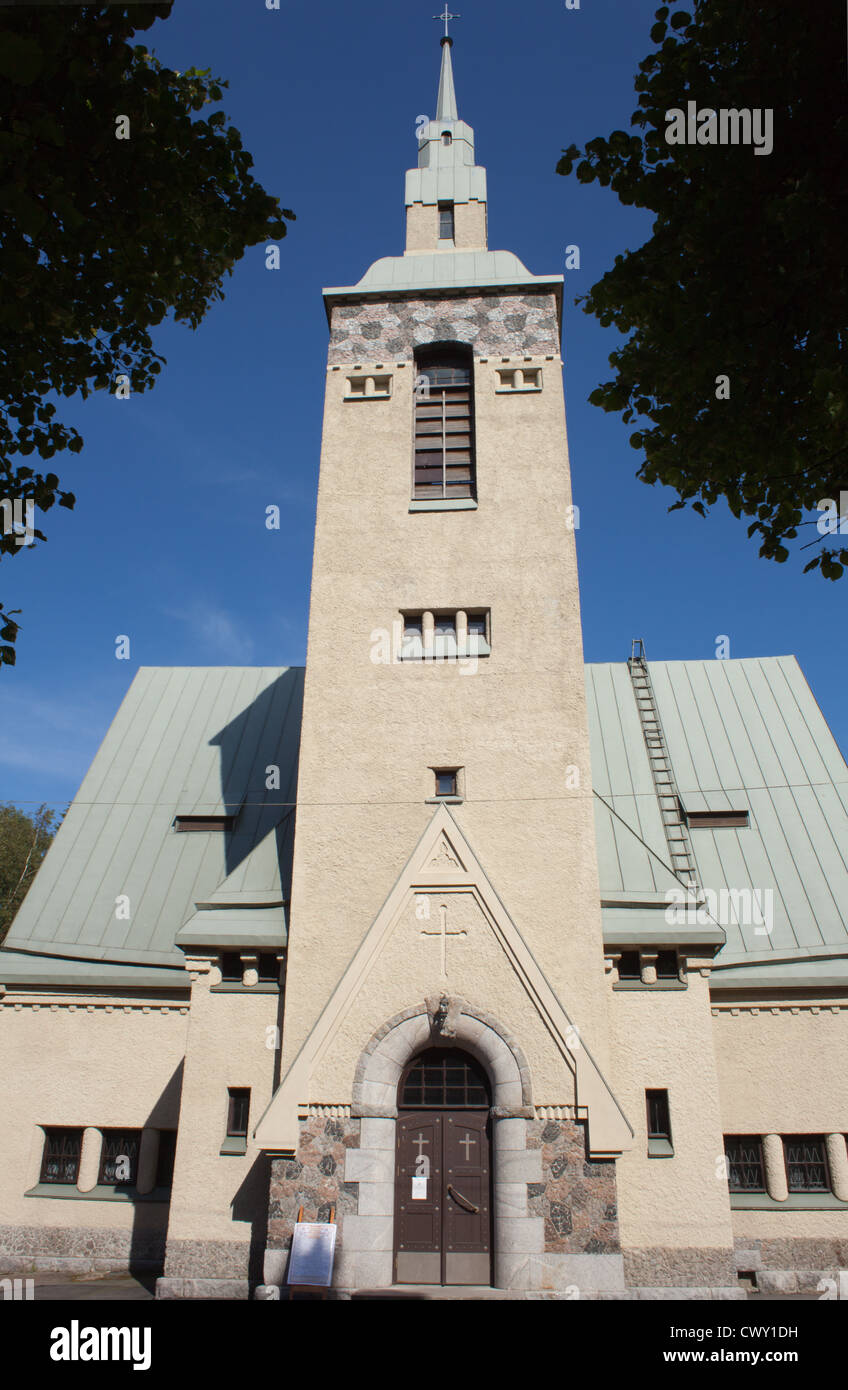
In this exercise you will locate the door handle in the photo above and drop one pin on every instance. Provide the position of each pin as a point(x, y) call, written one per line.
point(463, 1201)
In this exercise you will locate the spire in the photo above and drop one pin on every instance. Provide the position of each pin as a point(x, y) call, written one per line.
point(446, 194)
point(446, 102)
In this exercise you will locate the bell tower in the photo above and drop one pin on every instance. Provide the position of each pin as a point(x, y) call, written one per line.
point(445, 888)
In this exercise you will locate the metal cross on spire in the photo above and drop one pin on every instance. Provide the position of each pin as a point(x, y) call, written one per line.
point(446, 17)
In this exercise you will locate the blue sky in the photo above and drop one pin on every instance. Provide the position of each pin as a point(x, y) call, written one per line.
point(167, 542)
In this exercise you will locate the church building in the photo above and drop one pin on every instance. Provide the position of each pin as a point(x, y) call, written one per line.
point(530, 975)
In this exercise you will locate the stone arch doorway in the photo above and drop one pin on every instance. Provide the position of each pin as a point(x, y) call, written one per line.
point(443, 1177)
point(515, 1231)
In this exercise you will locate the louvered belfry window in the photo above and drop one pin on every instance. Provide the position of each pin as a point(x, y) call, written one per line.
point(444, 427)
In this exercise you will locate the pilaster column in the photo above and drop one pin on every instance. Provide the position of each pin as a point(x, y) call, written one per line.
point(649, 968)
point(775, 1166)
point(148, 1158)
point(837, 1162)
point(89, 1169)
point(461, 633)
point(428, 629)
point(250, 969)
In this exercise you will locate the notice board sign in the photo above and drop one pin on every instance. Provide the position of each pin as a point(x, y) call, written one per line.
point(312, 1252)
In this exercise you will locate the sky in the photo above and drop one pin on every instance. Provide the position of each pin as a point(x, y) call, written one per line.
point(167, 542)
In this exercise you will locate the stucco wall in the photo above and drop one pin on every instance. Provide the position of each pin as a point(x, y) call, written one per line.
point(517, 726)
point(219, 1203)
point(72, 1061)
point(781, 1066)
point(674, 1211)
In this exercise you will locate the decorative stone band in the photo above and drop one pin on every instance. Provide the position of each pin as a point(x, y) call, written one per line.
point(735, 1009)
point(18, 1004)
point(560, 1112)
point(326, 1112)
point(492, 324)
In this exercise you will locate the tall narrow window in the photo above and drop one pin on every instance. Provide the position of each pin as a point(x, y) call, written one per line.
point(237, 1113)
point(444, 431)
point(659, 1124)
point(446, 221)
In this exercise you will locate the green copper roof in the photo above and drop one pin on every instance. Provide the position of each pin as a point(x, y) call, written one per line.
point(119, 881)
point(741, 735)
point(446, 102)
point(446, 170)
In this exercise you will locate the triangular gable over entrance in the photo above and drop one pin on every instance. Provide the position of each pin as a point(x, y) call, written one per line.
point(443, 860)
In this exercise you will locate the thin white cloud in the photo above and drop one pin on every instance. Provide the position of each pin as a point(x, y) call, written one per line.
point(215, 631)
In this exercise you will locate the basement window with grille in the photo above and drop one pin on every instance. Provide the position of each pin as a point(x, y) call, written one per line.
point(119, 1157)
point(61, 1158)
point(745, 1165)
point(806, 1163)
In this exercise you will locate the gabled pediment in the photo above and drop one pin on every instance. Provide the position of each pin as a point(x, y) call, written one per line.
point(444, 892)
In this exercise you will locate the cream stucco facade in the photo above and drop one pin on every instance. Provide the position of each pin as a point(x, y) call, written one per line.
point(345, 913)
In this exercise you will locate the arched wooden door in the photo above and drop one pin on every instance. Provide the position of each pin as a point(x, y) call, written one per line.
point(443, 1201)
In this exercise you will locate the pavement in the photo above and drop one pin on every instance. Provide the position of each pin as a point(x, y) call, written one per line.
point(91, 1288)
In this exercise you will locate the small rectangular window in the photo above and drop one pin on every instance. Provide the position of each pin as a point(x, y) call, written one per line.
point(61, 1159)
point(413, 639)
point(444, 634)
point(119, 1157)
point(269, 969)
point(477, 634)
point(232, 970)
point(806, 1163)
point(446, 783)
point(446, 222)
point(745, 1166)
point(668, 967)
point(659, 1124)
point(629, 966)
point(187, 823)
point(238, 1111)
point(715, 820)
point(165, 1160)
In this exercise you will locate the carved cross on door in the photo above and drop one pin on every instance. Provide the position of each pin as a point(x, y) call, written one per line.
point(443, 931)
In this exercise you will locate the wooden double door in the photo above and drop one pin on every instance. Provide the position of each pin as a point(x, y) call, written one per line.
point(443, 1190)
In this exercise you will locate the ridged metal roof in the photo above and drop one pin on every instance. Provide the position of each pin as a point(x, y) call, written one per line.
point(185, 741)
point(742, 735)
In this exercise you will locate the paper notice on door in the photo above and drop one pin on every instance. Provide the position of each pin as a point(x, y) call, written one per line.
point(419, 1189)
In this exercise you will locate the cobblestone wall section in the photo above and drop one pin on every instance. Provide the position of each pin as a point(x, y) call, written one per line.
point(314, 1179)
point(576, 1198)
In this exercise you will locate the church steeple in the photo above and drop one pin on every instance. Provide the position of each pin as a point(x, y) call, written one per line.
point(446, 103)
point(446, 194)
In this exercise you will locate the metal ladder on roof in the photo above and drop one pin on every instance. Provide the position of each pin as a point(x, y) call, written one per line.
point(671, 810)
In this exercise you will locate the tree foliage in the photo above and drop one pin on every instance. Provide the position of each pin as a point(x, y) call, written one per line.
point(24, 841)
point(744, 276)
point(100, 236)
